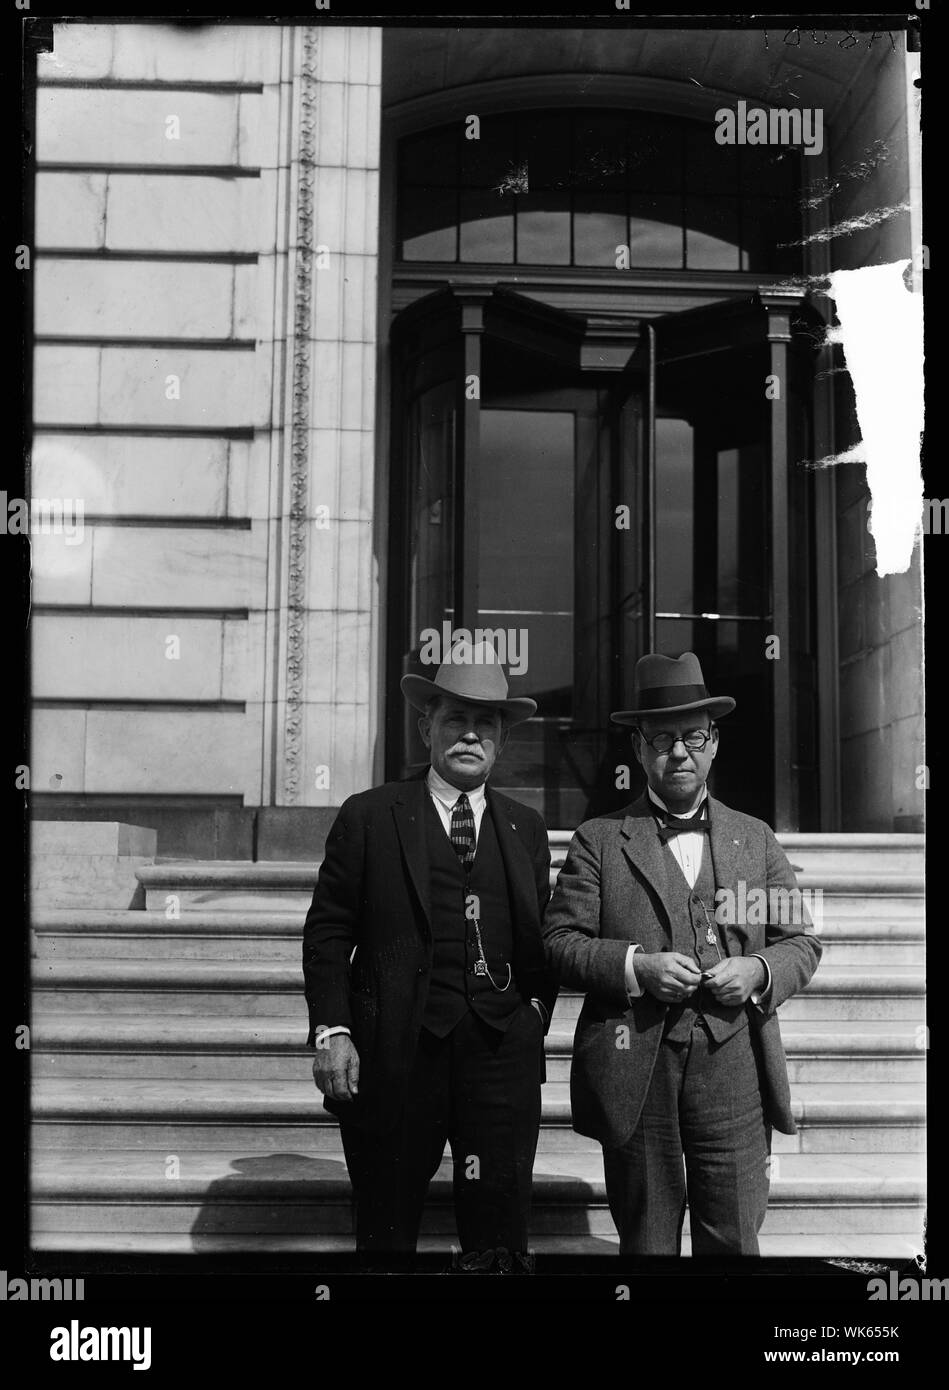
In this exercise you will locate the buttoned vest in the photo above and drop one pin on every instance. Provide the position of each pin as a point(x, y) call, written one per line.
point(693, 921)
point(454, 987)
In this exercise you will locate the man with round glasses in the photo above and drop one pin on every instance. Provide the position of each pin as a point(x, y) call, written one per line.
point(678, 1067)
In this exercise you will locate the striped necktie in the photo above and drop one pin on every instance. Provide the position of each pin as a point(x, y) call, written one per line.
point(463, 831)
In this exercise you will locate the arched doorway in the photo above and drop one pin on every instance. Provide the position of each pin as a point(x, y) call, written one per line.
point(618, 479)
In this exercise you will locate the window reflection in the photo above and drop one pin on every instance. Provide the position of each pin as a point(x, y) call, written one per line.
point(655, 231)
point(543, 229)
point(711, 238)
point(487, 228)
point(599, 226)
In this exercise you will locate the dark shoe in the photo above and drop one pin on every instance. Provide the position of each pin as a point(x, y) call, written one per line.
point(499, 1261)
point(472, 1261)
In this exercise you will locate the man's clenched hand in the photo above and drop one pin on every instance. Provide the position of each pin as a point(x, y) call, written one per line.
point(667, 975)
point(336, 1067)
point(733, 981)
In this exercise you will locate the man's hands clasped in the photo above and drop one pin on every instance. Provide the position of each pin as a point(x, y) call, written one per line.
point(735, 980)
point(672, 977)
point(667, 975)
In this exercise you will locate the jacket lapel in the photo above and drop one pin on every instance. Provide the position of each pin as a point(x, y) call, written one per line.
point(408, 811)
point(727, 841)
point(643, 849)
point(517, 861)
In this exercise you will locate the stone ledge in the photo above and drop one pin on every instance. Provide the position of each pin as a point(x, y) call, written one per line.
point(89, 864)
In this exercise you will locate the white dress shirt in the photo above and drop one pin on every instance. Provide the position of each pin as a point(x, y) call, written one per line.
point(444, 796)
point(687, 848)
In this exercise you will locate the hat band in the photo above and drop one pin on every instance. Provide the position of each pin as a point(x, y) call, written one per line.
point(667, 696)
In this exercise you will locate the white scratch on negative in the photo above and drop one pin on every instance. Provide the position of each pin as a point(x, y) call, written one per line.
point(881, 333)
point(861, 223)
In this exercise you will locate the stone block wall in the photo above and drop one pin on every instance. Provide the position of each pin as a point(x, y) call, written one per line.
point(205, 322)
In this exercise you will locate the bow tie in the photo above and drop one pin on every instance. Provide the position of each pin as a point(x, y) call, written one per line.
point(670, 825)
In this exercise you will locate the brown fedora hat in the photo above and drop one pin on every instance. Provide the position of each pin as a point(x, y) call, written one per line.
point(473, 674)
point(671, 685)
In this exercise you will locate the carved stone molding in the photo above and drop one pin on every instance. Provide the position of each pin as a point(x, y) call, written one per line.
point(300, 420)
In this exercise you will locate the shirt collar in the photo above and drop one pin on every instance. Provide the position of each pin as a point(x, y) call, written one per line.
point(682, 815)
point(448, 795)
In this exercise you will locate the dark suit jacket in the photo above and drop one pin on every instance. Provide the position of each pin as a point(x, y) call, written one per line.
point(610, 893)
point(367, 940)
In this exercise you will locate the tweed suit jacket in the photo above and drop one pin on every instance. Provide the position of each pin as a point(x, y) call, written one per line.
point(367, 939)
point(611, 892)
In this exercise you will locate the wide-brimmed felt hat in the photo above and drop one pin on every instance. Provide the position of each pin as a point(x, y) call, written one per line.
point(671, 685)
point(473, 674)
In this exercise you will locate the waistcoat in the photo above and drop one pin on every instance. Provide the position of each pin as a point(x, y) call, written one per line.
point(693, 920)
point(453, 986)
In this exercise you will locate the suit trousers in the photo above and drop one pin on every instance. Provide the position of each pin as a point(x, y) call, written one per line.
point(479, 1090)
point(703, 1106)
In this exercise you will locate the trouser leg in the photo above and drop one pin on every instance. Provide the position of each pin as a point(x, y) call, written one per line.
point(726, 1144)
point(495, 1119)
point(390, 1173)
point(645, 1179)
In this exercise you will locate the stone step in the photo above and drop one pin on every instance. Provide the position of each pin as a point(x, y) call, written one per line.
point(832, 1246)
point(810, 851)
point(289, 1066)
point(835, 993)
point(265, 937)
point(333, 1217)
point(289, 1192)
point(250, 989)
point(83, 1045)
point(320, 1135)
point(183, 885)
point(833, 1117)
point(138, 946)
point(131, 1173)
point(317, 1135)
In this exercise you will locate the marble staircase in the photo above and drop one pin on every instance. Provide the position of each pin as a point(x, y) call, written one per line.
point(174, 1109)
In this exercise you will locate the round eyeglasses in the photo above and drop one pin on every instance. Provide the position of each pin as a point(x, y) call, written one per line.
point(664, 743)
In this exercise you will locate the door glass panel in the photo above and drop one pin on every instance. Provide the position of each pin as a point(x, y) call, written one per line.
point(526, 495)
point(675, 467)
point(431, 527)
point(731, 657)
point(742, 583)
point(429, 521)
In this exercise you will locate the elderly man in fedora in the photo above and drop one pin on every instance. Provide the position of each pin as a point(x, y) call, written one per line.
point(678, 1067)
point(428, 992)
